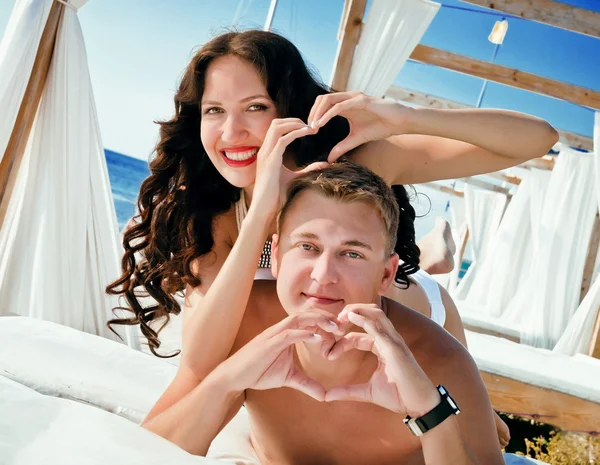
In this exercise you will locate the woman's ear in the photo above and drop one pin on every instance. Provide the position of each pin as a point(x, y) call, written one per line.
point(389, 274)
point(274, 250)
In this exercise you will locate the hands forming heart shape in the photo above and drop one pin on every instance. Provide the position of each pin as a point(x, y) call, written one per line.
point(398, 383)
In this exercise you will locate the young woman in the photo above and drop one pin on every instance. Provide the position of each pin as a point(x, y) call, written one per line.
point(248, 99)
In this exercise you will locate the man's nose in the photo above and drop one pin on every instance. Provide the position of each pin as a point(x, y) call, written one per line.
point(324, 270)
point(234, 130)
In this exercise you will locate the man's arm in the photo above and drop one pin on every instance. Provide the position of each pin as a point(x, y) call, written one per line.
point(401, 385)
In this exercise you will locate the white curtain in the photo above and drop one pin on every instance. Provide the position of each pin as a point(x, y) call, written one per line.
point(578, 335)
point(509, 254)
point(59, 241)
point(391, 32)
point(550, 295)
point(484, 210)
point(17, 53)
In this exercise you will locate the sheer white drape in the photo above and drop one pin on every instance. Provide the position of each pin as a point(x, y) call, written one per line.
point(509, 253)
point(60, 238)
point(484, 210)
point(550, 295)
point(17, 54)
point(578, 335)
point(391, 32)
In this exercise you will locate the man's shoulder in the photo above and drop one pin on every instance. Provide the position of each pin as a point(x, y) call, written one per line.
point(435, 349)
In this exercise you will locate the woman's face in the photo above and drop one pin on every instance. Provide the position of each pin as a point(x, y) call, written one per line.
point(236, 114)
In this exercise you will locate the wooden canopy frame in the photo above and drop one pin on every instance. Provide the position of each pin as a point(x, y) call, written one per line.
point(548, 12)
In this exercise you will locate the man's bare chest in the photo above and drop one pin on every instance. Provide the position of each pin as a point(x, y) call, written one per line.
point(289, 427)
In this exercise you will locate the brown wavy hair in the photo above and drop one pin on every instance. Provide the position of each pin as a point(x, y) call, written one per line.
point(184, 192)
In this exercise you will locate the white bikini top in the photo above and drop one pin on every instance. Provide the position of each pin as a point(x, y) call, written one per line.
point(263, 271)
point(432, 289)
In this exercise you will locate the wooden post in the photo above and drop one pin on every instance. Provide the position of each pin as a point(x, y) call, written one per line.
point(595, 343)
point(11, 161)
point(590, 261)
point(350, 29)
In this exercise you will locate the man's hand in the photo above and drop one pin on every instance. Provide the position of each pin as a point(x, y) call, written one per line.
point(267, 361)
point(398, 384)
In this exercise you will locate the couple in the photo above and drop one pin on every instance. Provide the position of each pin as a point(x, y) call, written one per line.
point(331, 371)
point(209, 204)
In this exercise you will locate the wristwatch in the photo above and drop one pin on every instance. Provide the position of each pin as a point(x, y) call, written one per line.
point(446, 407)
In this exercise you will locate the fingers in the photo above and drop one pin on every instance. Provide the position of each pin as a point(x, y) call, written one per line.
point(356, 392)
point(357, 100)
point(281, 128)
point(350, 341)
point(373, 320)
point(349, 143)
point(325, 102)
point(318, 165)
point(313, 319)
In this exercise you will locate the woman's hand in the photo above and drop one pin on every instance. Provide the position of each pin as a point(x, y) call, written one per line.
point(370, 118)
point(398, 384)
point(267, 361)
point(272, 177)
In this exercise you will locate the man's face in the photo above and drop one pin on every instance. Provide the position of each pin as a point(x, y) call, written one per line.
point(330, 254)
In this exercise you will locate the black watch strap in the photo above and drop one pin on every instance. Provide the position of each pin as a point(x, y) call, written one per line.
point(435, 416)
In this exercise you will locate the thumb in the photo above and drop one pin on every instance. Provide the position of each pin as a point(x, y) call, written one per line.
point(318, 165)
point(356, 392)
point(342, 147)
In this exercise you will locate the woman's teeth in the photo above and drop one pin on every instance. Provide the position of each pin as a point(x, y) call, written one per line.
point(241, 156)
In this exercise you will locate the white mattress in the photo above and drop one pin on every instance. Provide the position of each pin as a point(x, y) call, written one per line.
point(577, 375)
point(472, 315)
point(63, 362)
point(36, 429)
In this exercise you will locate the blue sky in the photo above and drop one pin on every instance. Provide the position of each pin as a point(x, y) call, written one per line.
point(137, 50)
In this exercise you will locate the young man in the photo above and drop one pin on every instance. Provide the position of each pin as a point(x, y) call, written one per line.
point(330, 370)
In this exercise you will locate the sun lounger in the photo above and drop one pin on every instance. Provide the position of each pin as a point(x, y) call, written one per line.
point(554, 388)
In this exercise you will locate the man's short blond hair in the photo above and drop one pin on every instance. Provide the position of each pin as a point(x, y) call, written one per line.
point(347, 183)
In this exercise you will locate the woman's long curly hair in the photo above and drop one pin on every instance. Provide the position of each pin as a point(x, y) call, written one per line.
point(184, 192)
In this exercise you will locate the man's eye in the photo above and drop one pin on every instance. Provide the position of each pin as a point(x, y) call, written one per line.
point(257, 107)
point(353, 255)
point(306, 247)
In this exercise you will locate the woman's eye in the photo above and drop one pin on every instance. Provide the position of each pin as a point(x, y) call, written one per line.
point(257, 107)
point(212, 111)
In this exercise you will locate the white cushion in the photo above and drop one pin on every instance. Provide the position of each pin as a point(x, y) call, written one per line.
point(63, 362)
point(577, 375)
point(38, 429)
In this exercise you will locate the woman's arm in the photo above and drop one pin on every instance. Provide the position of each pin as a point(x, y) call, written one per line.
point(214, 311)
point(447, 144)
point(407, 145)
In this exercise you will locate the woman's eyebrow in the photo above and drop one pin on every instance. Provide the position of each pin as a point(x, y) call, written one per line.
point(252, 97)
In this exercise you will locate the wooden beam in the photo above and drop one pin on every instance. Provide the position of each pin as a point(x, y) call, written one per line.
point(505, 177)
point(568, 412)
point(487, 185)
point(11, 161)
point(424, 100)
point(444, 189)
point(550, 12)
point(507, 76)
point(348, 36)
point(544, 163)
